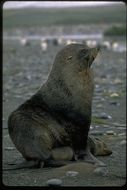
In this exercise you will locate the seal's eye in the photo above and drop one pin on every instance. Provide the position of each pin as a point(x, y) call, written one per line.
point(70, 57)
point(83, 54)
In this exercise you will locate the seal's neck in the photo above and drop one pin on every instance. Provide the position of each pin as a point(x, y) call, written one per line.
point(72, 95)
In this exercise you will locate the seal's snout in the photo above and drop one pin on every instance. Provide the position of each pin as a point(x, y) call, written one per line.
point(94, 51)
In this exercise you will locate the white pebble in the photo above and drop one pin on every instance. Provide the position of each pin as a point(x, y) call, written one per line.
point(101, 171)
point(91, 127)
point(24, 41)
point(54, 182)
point(117, 81)
point(123, 142)
point(99, 106)
point(121, 134)
point(44, 45)
point(9, 148)
point(114, 95)
point(105, 116)
point(71, 173)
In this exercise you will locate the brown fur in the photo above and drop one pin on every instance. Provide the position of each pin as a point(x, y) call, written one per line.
point(58, 116)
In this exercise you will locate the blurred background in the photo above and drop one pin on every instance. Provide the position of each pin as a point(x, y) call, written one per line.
point(65, 22)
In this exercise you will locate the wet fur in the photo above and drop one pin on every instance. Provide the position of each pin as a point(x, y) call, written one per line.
point(59, 114)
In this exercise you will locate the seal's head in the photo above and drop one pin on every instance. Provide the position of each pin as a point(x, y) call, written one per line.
point(76, 56)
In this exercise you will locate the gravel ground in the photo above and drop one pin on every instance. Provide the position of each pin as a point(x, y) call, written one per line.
point(25, 68)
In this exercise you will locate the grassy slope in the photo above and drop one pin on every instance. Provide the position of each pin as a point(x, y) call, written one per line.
point(40, 17)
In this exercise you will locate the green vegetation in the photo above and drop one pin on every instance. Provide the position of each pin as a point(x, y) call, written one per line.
point(116, 31)
point(40, 17)
point(96, 120)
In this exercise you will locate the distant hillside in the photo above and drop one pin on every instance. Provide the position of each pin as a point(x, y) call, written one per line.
point(39, 17)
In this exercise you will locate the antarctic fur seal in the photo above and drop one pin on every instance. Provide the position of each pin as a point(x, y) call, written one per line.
point(53, 125)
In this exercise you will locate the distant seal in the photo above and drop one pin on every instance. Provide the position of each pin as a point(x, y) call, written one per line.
point(53, 125)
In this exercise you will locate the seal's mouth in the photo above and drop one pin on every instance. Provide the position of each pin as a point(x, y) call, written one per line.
point(87, 56)
point(94, 51)
point(92, 55)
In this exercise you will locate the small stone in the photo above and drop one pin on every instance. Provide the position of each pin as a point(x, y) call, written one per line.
point(117, 81)
point(104, 116)
point(54, 182)
point(91, 127)
point(113, 95)
point(109, 117)
point(97, 126)
point(123, 142)
point(119, 125)
point(17, 96)
point(105, 125)
point(97, 86)
point(99, 106)
point(121, 134)
point(115, 103)
point(121, 128)
point(9, 148)
point(29, 77)
point(110, 133)
point(102, 171)
point(71, 173)
point(96, 132)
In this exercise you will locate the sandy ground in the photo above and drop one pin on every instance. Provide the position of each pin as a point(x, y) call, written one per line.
point(25, 68)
